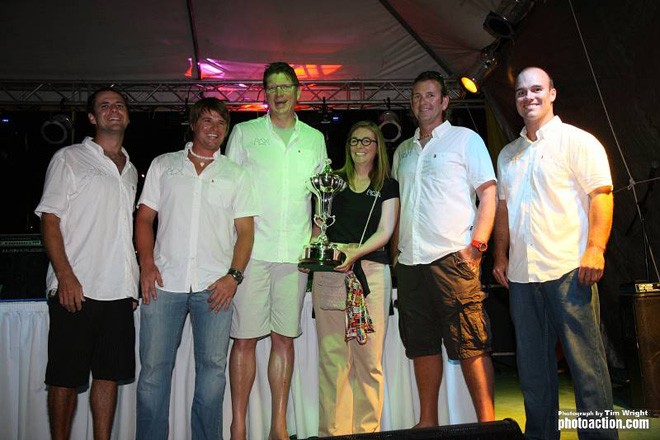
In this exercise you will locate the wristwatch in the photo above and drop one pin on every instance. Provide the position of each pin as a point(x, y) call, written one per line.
point(236, 274)
point(480, 245)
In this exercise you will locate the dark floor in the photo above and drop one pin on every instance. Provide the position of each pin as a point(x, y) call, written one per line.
point(509, 401)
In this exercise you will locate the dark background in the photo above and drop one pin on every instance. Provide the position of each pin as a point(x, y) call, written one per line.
point(25, 154)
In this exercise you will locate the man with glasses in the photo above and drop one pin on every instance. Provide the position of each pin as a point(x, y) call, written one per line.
point(441, 171)
point(282, 153)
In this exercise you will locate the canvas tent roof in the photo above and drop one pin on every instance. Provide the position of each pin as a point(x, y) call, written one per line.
point(154, 40)
point(382, 43)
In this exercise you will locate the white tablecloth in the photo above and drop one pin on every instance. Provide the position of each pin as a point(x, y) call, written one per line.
point(23, 356)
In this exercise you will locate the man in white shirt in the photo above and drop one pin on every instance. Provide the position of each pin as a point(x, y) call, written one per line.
point(282, 153)
point(87, 227)
point(554, 218)
point(205, 205)
point(441, 171)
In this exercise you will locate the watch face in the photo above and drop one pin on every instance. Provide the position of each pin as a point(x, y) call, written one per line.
point(482, 247)
point(236, 274)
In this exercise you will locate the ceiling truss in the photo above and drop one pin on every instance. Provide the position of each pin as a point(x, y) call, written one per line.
point(238, 95)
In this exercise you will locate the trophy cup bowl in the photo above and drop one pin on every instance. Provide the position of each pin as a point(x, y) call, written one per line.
point(321, 254)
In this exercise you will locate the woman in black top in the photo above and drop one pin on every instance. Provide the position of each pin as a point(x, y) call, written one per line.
point(351, 379)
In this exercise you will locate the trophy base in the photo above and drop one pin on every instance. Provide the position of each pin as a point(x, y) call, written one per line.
point(321, 258)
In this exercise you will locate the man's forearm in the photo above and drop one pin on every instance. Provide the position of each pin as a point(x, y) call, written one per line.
point(601, 207)
point(54, 244)
point(483, 223)
point(501, 230)
point(144, 240)
point(244, 243)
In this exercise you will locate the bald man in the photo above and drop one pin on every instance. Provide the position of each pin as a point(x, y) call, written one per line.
point(554, 218)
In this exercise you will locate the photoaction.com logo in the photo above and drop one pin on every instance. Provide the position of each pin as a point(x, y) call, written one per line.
point(624, 419)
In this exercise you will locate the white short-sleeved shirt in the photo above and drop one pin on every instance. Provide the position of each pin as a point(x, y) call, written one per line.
point(438, 191)
point(95, 205)
point(196, 233)
point(281, 173)
point(546, 185)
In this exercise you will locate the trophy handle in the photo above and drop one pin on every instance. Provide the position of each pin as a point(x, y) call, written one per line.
point(318, 221)
point(329, 223)
point(324, 222)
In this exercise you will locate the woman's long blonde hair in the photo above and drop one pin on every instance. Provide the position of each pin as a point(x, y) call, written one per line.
point(381, 167)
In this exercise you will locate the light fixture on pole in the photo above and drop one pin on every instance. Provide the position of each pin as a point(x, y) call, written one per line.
point(503, 22)
point(56, 130)
point(487, 61)
point(326, 118)
point(389, 124)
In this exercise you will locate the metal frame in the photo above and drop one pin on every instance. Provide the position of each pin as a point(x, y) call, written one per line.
point(238, 95)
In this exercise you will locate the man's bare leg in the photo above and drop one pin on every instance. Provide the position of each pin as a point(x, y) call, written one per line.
point(242, 371)
point(103, 401)
point(62, 403)
point(478, 373)
point(428, 375)
point(280, 370)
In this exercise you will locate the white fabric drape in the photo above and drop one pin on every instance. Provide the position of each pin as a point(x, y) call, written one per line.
point(23, 356)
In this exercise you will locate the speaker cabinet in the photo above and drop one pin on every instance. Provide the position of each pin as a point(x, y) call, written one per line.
point(640, 316)
point(23, 266)
point(506, 429)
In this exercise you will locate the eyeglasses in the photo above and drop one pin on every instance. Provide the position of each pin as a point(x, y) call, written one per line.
point(364, 141)
point(286, 88)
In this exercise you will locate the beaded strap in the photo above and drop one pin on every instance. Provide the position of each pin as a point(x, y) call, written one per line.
point(358, 321)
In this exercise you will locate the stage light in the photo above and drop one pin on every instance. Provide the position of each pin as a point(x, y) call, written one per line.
point(390, 126)
point(472, 80)
point(503, 23)
point(326, 116)
point(56, 130)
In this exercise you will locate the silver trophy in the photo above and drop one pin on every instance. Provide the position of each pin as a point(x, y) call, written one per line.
point(320, 254)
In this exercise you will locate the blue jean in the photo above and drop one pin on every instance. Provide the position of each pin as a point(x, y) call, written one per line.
point(161, 325)
point(541, 313)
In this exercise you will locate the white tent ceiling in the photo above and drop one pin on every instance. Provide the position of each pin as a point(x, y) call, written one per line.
point(157, 41)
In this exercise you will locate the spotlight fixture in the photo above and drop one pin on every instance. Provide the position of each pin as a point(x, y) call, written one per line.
point(487, 61)
point(326, 115)
point(503, 22)
point(389, 125)
point(56, 130)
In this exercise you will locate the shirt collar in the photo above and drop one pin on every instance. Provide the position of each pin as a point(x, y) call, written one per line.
point(545, 130)
point(269, 123)
point(437, 131)
point(89, 142)
point(189, 147)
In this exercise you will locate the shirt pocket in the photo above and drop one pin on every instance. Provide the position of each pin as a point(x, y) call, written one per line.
point(443, 167)
point(219, 193)
point(306, 163)
point(552, 171)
